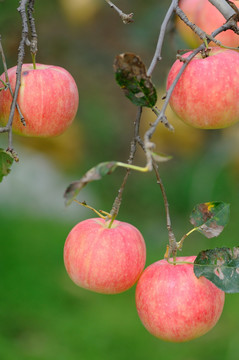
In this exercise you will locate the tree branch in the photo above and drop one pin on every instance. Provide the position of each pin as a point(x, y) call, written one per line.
point(27, 16)
point(118, 199)
point(203, 36)
point(126, 18)
point(225, 9)
point(33, 42)
point(157, 54)
point(7, 84)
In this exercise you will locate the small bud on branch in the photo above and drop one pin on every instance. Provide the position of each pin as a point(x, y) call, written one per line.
point(126, 18)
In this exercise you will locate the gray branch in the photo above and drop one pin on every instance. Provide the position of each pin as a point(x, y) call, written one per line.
point(225, 9)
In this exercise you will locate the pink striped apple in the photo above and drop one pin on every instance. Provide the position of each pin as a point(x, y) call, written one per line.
point(206, 95)
point(174, 305)
point(48, 99)
point(102, 259)
point(208, 18)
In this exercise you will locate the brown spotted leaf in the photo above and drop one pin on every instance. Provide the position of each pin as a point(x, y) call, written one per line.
point(210, 218)
point(96, 173)
point(131, 75)
point(220, 266)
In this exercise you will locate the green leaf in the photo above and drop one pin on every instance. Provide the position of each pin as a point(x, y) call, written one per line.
point(6, 160)
point(96, 173)
point(131, 75)
point(210, 218)
point(221, 266)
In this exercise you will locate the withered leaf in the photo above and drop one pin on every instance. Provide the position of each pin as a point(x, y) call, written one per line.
point(210, 218)
point(95, 173)
point(131, 75)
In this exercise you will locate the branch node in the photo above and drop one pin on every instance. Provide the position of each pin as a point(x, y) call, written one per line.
point(182, 59)
point(126, 18)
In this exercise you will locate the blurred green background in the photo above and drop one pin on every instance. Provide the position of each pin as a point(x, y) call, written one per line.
point(43, 315)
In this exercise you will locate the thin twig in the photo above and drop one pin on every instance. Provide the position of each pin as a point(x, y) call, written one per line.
point(172, 249)
point(21, 53)
point(126, 18)
point(8, 85)
point(33, 42)
point(157, 54)
point(118, 199)
point(172, 239)
point(194, 27)
point(26, 16)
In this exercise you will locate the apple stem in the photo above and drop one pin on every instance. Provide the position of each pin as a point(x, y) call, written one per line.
point(205, 42)
point(180, 243)
point(4, 83)
point(34, 60)
point(133, 167)
point(174, 262)
point(99, 213)
point(111, 221)
point(228, 47)
point(172, 246)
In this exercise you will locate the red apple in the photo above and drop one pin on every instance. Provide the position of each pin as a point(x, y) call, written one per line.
point(174, 305)
point(208, 18)
point(206, 95)
point(48, 99)
point(102, 259)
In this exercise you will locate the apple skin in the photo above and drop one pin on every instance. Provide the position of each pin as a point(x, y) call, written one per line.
point(104, 260)
point(189, 36)
point(206, 95)
point(48, 98)
point(208, 18)
point(174, 305)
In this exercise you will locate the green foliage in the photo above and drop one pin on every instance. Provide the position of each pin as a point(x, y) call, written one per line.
point(221, 266)
point(6, 160)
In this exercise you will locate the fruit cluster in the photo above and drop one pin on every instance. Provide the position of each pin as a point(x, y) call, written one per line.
point(172, 303)
point(109, 256)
